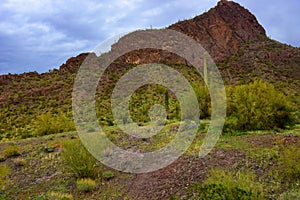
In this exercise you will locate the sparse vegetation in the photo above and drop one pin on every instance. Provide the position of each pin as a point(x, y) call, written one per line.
point(59, 196)
point(108, 175)
point(19, 162)
point(85, 185)
point(246, 180)
point(289, 160)
point(290, 195)
point(228, 184)
point(4, 171)
point(79, 160)
point(11, 151)
point(219, 191)
point(47, 124)
point(257, 157)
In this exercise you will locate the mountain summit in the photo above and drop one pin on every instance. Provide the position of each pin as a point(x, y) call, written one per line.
point(222, 29)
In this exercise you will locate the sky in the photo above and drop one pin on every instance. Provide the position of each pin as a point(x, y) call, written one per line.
point(39, 35)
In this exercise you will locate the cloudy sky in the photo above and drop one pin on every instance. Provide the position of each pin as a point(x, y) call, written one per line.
point(38, 35)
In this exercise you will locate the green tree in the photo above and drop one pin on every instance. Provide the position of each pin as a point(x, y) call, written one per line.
point(258, 106)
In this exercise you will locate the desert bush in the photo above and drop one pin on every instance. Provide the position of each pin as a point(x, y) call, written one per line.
point(19, 162)
point(79, 160)
point(2, 158)
point(244, 179)
point(289, 160)
point(219, 191)
point(38, 197)
point(59, 196)
point(226, 184)
point(108, 175)
point(204, 100)
point(86, 184)
point(11, 151)
point(257, 106)
point(4, 171)
point(290, 195)
point(46, 124)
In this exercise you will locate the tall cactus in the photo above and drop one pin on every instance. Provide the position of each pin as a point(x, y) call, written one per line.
point(205, 69)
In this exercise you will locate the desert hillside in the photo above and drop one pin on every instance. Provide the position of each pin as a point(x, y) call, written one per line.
point(256, 157)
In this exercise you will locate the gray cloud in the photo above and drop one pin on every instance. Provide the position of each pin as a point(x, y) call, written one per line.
point(41, 35)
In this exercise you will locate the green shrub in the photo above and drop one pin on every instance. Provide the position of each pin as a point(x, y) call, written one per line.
point(86, 184)
point(11, 151)
point(108, 175)
point(4, 171)
point(2, 158)
point(39, 197)
point(79, 160)
point(226, 184)
point(204, 100)
point(290, 195)
point(289, 160)
point(47, 124)
point(59, 196)
point(257, 106)
point(19, 162)
point(221, 192)
point(245, 179)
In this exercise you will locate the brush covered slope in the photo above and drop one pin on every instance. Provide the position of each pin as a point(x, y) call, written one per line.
point(260, 164)
point(229, 32)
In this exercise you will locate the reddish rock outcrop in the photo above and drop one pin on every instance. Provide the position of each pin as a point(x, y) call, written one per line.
point(221, 31)
point(73, 63)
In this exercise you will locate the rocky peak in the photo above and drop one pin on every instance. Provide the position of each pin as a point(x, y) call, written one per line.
point(223, 29)
point(73, 63)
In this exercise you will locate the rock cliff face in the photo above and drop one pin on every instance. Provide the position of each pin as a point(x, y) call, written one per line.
point(72, 64)
point(223, 29)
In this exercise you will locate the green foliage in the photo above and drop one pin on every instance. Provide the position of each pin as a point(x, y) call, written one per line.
point(85, 185)
point(4, 171)
point(257, 106)
point(38, 197)
point(221, 192)
point(245, 180)
point(11, 151)
point(59, 196)
point(79, 160)
point(167, 104)
point(2, 158)
point(290, 195)
point(203, 97)
point(225, 184)
point(19, 162)
point(289, 160)
point(108, 175)
point(46, 124)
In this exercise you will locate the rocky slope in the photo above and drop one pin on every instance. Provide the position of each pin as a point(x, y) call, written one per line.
point(232, 36)
point(229, 32)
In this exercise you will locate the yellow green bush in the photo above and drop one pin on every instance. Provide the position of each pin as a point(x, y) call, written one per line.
point(85, 184)
point(79, 160)
point(47, 124)
point(59, 196)
point(4, 171)
point(226, 184)
point(289, 163)
point(11, 151)
point(257, 106)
